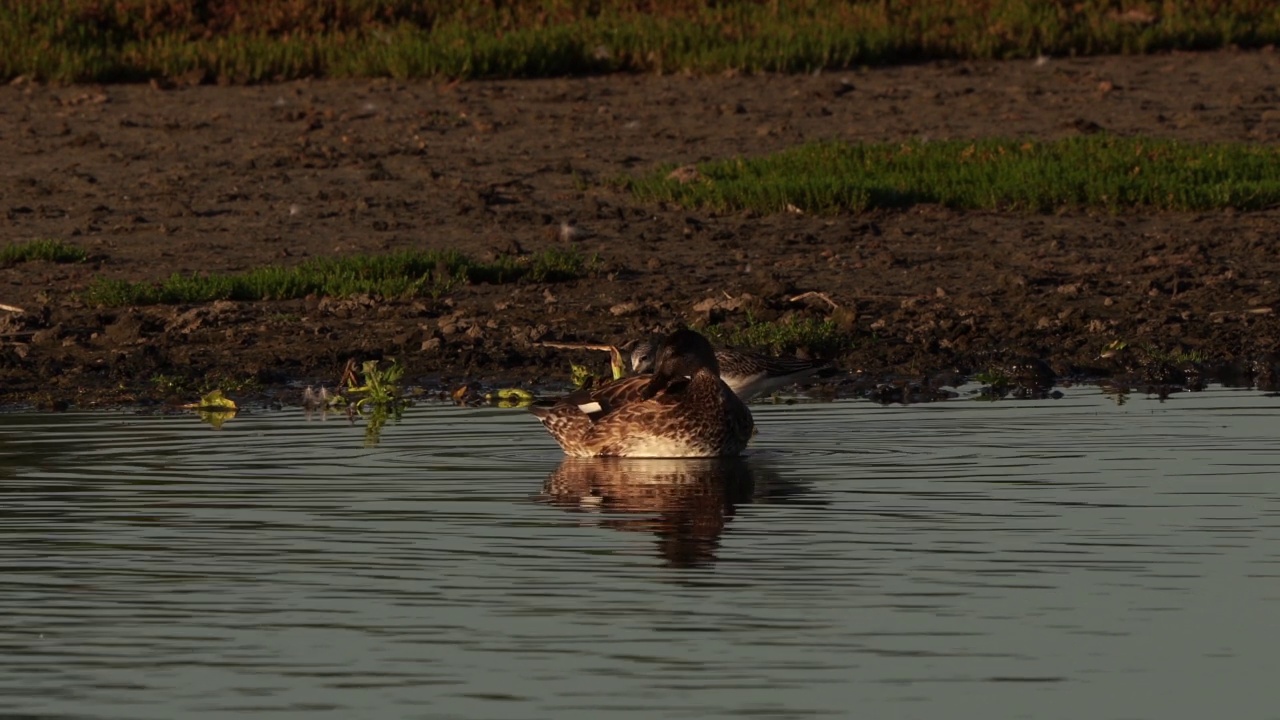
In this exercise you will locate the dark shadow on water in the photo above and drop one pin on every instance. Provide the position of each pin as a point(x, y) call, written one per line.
point(685, 503)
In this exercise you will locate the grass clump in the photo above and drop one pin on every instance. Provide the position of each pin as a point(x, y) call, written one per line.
point(46, 250)
point(1094, 171)
point(257, 40)
point(820, 337)
point(403, 274)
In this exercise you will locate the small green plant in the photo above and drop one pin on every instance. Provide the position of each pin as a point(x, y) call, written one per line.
point(1099, 171)
point(994, 377)
point(46, 250)
point(580, 375)
point(170, 384)
point(383, 398)
point(379, 385)
point(1146, 353)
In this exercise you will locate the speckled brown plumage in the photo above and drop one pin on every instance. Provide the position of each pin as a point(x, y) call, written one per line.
point(684, 409)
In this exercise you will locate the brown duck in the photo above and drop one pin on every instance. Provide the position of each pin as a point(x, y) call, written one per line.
point(683, 409)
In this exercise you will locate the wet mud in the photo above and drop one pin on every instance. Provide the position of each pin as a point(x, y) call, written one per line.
point(153, 181)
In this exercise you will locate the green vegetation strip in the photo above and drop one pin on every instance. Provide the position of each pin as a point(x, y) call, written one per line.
point(129, 40)
point(1092, 171)
point(823, 337)
point(47, 250)
point(402, 274)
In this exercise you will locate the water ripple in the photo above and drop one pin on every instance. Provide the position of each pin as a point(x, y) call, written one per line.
point(1049, 558)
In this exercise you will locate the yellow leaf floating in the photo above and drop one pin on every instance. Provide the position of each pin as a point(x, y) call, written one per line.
point(511, 398)
point(214, 408)
point(214, 401)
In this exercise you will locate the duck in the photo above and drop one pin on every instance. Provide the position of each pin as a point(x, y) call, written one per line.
point(748, 375)
point(681, 409)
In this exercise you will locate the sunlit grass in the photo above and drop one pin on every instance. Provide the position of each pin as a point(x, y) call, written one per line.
point(46, 250)
point(256, 40)
point(1092, 171)
point(822, 337)
point(402, 274)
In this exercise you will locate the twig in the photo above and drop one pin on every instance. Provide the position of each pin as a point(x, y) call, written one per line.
point(578, 346)
point(11, 308)
point(615, 355)
point(349, 374)
point(1250, 311)
point(815, 293)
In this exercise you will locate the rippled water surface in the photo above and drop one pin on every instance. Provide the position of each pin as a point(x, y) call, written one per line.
point(1053, 559)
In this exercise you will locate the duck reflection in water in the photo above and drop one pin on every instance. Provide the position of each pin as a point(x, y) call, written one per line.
point(686, 503)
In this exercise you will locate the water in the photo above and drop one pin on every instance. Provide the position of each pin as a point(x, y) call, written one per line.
point(1053, 559)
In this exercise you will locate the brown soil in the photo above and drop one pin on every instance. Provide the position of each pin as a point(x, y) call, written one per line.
point(194, 179)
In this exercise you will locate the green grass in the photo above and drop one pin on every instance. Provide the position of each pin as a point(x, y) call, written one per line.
point(821, 337)
point(1093, 171)
point(46, 250)
point(264, 40)
point(403, 274)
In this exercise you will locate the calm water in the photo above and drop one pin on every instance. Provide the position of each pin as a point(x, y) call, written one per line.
point(1052, 559)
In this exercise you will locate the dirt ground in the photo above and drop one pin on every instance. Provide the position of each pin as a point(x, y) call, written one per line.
point(153, 181)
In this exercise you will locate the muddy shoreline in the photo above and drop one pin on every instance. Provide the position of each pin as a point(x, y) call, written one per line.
point(223, 179)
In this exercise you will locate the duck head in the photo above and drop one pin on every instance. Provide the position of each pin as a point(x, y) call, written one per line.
point(642, 355)
point(682, 354)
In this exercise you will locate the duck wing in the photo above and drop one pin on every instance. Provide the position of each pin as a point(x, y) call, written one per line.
point(596, 402)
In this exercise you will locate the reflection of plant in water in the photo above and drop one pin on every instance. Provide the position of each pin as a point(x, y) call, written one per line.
point(373, 394)
point(375, 418)
point(1118, 393)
